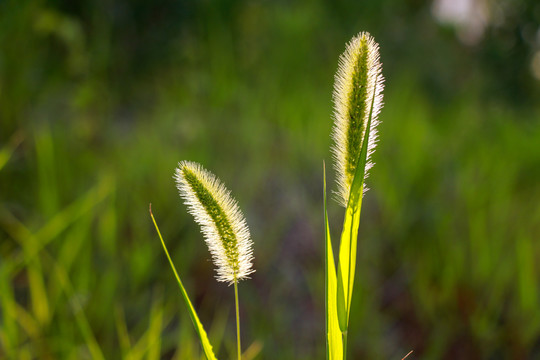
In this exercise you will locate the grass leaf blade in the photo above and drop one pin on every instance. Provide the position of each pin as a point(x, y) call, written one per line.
point(334, 342)
point(349, 235)
point(205, 343)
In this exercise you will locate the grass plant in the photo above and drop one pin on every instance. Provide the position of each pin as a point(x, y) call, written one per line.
point(203, 337)
point(448, 261)
point(357, 103)
point(226, 234)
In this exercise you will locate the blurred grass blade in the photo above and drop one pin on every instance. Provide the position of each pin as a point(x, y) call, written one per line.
point(7, 151)
point(219, 327)
point(205, 343)
point(55, 226)
point(47, 175)
point(334, 343)
point(27, 239)
point(141, 348)
point(154, 331)
point(9, 331)
point(253, 350)
point(122, 332)
point(349, 235)
point(78, 310)
point(38, 293)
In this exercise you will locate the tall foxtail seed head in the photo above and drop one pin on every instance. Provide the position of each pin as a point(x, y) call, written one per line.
point(357, 96)
point(225, 230)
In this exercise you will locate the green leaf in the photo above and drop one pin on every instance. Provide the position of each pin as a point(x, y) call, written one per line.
point(207, 347)
point(7, 151)
point(349, 234)
point(347, 264)
point(334, 342)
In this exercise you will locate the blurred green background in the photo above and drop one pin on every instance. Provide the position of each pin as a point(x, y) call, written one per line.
point(99, 100)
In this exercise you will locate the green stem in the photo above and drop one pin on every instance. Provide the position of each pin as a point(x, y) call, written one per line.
point(349, 275)
point(345, 345)
point(237, 320)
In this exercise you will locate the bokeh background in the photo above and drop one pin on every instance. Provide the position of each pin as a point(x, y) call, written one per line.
point(99, 100)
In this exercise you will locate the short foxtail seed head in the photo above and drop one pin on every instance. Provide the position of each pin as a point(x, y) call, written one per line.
point(225, 230)
point(357, 96)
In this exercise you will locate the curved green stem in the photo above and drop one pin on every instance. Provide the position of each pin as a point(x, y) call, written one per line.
point(239, 348)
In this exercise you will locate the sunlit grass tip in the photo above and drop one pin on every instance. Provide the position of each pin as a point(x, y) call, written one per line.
point(357, 96)
point(222, 223)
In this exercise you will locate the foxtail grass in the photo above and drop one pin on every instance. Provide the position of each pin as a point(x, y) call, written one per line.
point(357, 102)
point(224, 227)
point(225, 232)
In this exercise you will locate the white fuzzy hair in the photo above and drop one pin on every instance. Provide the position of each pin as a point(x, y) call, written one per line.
point(343, 89)
point(229, 267)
